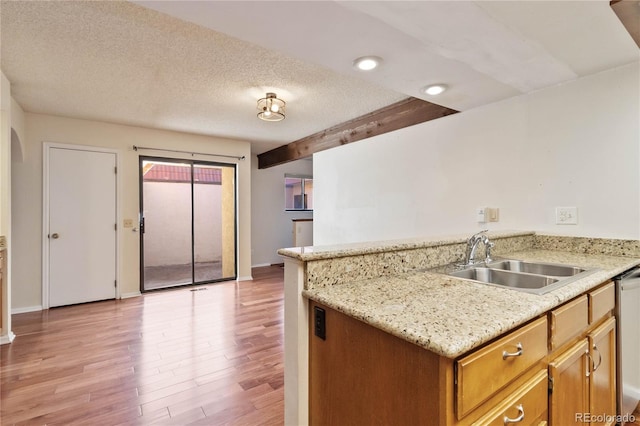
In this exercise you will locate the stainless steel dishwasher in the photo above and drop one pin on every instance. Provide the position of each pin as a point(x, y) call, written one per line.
point(628, 337)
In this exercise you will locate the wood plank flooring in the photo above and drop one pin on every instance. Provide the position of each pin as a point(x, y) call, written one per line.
point(213, 356)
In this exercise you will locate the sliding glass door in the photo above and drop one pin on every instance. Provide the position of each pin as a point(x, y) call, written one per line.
point(187, 222)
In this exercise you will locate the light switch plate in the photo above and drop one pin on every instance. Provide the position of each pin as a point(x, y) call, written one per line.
point(566, 215)
point(127, 223)
point(492, 214)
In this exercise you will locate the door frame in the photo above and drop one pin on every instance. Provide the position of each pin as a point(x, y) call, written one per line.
point(236, 216)
point(46, 147)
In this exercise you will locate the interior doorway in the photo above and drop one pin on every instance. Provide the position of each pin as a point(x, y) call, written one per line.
point(187, 222)
point(80, 217)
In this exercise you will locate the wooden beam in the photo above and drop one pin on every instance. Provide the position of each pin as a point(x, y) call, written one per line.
point(393, 117)
point(628, 12)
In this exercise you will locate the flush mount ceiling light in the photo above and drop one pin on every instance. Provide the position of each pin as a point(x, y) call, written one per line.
point(367, 63)
point(435, 89)
point(270, 108)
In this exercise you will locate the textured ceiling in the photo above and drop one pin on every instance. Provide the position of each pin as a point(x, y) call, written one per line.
point(200, 66)
point(119, 62)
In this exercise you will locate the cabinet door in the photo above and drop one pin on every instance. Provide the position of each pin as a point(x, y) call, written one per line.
point(602, 389)
point(569, 398)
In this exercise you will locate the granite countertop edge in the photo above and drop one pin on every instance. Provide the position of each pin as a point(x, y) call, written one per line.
point(451, 316)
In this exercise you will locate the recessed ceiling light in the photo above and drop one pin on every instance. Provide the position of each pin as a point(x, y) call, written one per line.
point(367, 63)
point(435, 89)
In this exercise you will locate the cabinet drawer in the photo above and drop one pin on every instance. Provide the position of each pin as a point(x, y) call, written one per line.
point(484, 372)
point(567, 322)
point(528, 405)
point(601, 301)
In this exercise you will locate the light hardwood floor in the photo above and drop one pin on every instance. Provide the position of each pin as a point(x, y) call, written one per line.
point(212, 356)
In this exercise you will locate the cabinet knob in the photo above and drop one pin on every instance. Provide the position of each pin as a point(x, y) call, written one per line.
point(55, 236)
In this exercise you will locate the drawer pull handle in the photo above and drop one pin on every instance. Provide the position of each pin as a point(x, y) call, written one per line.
point(506, 354)
point(518, 419)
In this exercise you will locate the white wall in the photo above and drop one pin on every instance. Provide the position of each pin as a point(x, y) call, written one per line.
point(5, 205)
point(27, 193)
point(576, 144)
point(271, 225)
point(167, 213)
point(5, 156)
point(18, 151)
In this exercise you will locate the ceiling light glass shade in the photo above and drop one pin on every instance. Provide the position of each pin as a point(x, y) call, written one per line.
point(270, 108)
point(367, 63)
point(435, 89)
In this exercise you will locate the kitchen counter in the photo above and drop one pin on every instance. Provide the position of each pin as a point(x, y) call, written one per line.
point(450, 316)
point(381, 284)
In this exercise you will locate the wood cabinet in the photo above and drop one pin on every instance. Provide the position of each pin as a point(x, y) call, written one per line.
point(582, 377)
point(552, 370)
point(360, 375)
point(569, 385)
point(602, 386)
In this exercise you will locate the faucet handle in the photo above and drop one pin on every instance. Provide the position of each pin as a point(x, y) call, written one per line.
point(487, 251)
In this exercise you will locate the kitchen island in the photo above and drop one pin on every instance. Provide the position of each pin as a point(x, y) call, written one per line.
point(384, 286)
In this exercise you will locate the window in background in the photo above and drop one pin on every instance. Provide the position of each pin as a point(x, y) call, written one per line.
point(298, 192)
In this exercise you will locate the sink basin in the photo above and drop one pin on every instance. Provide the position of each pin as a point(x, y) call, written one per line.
point(530, 277)
point(551, 269)
point(505, 278)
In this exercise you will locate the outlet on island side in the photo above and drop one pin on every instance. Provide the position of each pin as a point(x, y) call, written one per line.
point(319, 324)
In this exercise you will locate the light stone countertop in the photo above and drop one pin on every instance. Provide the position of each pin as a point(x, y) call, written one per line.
point(451, 316)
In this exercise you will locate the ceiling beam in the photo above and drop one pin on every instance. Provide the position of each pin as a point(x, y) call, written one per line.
point(629, 14)
point(393, 117)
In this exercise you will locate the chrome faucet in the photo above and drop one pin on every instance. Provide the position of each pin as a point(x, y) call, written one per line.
point(472, 246)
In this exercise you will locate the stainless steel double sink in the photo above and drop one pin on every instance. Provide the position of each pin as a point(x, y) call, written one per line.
point(530, 277)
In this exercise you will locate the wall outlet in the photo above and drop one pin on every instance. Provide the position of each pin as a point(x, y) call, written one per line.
point(566, 215)
point(480, 214)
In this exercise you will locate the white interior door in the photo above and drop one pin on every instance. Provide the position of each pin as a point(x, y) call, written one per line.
point(82, 219)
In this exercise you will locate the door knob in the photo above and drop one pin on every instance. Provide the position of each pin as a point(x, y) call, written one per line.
point(55, 236)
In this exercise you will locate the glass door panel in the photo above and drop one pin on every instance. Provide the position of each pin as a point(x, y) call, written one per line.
point(166, 197)
point(214, 222)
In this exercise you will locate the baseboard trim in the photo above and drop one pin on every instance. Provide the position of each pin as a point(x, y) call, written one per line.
point(260, 265)
point(26, 309)
point(130, 295)
point(8, 338)
point(632, 391)
point(245, 278)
